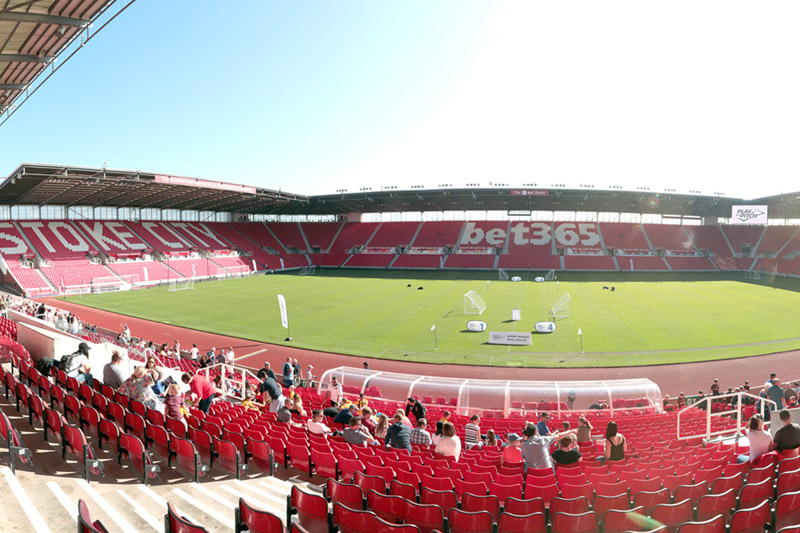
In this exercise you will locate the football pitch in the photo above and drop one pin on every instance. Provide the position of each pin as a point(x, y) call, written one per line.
point(391, 315)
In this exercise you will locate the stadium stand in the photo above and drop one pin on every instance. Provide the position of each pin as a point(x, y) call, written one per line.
point(641, 262)
point(678, 262)
point(709, 238)
point(625, 238)
point(775, 239)
point(743, 239)
point(670, 238)
point(589, 262)
point(320, 235)
point(290, 235)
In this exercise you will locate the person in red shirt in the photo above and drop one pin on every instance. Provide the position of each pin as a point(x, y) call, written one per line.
point(202, 388)
point(512, 453)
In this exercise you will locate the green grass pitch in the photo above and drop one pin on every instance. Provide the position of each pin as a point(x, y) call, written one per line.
point(372, 314)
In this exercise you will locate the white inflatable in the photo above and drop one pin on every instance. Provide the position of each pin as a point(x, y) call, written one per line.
point(545, 327)
point(516, 278)
point(538, 279)
point(476, 325)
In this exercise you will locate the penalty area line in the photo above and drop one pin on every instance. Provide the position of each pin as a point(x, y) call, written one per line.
point(250, 354)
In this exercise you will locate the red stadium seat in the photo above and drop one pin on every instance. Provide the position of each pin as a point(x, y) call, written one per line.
point(712, 525)
point(572, 523)
point(75, 441)
point(311, 510)
point(619, 521)
point(491, 504)
point(390, 508)
point(711, 505)
point(787, 510)
point(673, 515)
point(249, 518)
point(175, 523)
point(753, 520)
point(512, 523)
point(85, 522)
point(138, 456)
point(569, 505)
point(353, 521)
point(459, 521)
point(426, 517)
point(344, 493)
point(443, 498)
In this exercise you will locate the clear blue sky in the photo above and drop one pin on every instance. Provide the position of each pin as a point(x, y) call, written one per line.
point(310, 97)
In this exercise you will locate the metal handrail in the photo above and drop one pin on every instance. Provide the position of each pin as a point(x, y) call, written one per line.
point(707, 400)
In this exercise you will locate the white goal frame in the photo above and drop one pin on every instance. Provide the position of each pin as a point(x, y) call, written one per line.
point(238, 270)
point(114, 283)
point(550, 276)
point(560, 309)
point(473, 304)
point(181, 285)
point(502, 275)
point(309, 270)
point(752, 274)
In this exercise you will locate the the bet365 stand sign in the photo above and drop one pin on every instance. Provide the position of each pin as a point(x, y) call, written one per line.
point(583, 234)
point(749, 214)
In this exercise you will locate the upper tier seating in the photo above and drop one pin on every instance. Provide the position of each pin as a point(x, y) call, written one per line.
point(668, 237)
point(775, 238)
point(625, 237)
point(392, 234)
point(733, 263)
point(353, 234)
point(739, 236)
point(113, 238)
point(530, 246)
point(14, 249)
point(289, 234)
point(162, 237)
point(252, 237)
point(709, 238)
point(57, 239)
point(320, 234)
point(438, 234)
point(202, 236)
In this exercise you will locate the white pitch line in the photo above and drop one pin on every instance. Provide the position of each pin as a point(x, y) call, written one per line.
point(227, 503)
point(147, 517)
point(63, 499)
point(106, 507)
point(24, 501)
point(204, 508)
point(247, 497)
point(163, 503)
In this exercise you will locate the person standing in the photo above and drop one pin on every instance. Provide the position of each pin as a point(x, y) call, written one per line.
point(334, 392)
point(775, 393)
point(787, 437)
point(273, 390)
point(415, 407)
point(202, 388)
point(288, 373)
point(195, 352)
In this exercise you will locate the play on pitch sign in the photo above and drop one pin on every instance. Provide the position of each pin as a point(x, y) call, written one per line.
point(749, 214)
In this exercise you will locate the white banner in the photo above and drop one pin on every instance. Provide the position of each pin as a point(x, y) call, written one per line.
point(749, 214)
point(284, 314)
point(510, 337)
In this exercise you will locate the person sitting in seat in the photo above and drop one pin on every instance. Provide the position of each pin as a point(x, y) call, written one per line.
point(355, 434)
point(398, 435)
point(567, 454)
point(316, 425)
point(449, 445)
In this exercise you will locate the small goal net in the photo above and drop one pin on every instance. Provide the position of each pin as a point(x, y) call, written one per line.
point(309, 270)
point(560, 309)
point(238, 270)
point(473, 304)
point(114, 283)
point(181, 285)
point(752, 274)
point(502, 275)
point(550, 276)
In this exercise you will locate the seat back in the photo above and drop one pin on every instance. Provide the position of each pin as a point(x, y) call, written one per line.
point(570, 523)
point(619, 520)
point(248, 517)
point(345, 493)
point(469, 522)
point(175, 523)
point(712, 525)
point(751, 520)
point(531, 523)
point(312, 511)
point(85, 523)
point(352, 521)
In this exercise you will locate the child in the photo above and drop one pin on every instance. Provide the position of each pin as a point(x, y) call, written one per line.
point(512, 454)
point(174, 403)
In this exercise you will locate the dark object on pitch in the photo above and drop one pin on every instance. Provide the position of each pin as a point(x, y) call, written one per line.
point(612, 289)
point(409, 285)
point(605, 288)
point(420, 288)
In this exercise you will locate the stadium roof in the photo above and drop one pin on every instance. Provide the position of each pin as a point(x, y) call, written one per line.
point(37, 184)
point(33, 36)
point(78, 186)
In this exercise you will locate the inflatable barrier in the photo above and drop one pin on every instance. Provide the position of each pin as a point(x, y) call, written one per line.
point(545, 327)
point(476, 325)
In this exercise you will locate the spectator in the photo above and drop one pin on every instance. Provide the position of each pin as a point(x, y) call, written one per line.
point(436, 437)
point(472, 432)
point(511, 452)
point(398, 435)
point(202, 388)
point(174, 402)
point(230, 356)
point(449, 445)
point(112, 372)
point(298, 370)
point(274, 391)
point(194, 351)
point(792, 404)
point(715, 388)
point(775, 393)
point(362, 402)
point(285, 411)
point(760, 440)
point(381, 427)
point(681, 401)
point(355, 435)
point(665, 402)
point(344, 416)
point(268, 369)
point(787, 437)
point(491, 438)
point(541, 427)
point(367, 420)
point(584, 431)
point(445, 417)
point(702, 405)
point(567, 454)
point(565, 425)
point(406, 420)
point(310, 376)
point(535, 448)
point(334, 394)
point(78, 366)
point(316, 425)
point(415, 408)
point(616, 445)
point(155, 373)
point(138, 387)
point(288, 373)
point(571, 396)
point(419, 435)
point(297, 406)
point(366, 365)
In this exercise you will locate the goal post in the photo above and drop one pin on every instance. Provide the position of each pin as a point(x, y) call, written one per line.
point(550, 276)
point(238, 270)
point(502, 275)
point(103, 284)
point(309, 270)
point(752, 274)
point(473, 304)
point(560, 309)
point(181, 285)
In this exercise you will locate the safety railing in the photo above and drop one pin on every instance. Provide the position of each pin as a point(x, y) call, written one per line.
point(706, 403)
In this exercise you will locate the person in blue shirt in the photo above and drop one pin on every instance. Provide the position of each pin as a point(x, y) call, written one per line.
point(288, 373)
point(541, 427)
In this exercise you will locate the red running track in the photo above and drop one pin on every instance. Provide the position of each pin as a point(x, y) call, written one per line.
point(675, 378)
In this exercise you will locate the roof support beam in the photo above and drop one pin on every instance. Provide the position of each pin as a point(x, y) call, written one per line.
point(13, 86)
point(25, 58)
point(38, 18)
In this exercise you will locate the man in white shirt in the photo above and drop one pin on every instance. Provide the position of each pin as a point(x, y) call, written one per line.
point(334, 392)
point(230, 356)
point(195, 352)
point(316, 425)
point(78, 366)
